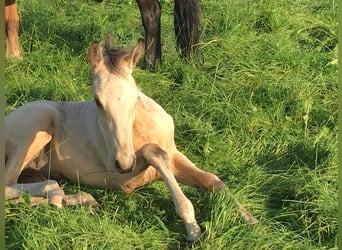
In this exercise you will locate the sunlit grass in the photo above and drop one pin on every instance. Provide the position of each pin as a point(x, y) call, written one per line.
point(259, 109)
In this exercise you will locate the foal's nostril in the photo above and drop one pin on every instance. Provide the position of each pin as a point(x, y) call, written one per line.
point(121, 170)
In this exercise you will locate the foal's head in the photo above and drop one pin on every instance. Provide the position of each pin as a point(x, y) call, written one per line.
point(116, 95)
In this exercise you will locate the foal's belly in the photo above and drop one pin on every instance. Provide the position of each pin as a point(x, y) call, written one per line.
point(83, 170)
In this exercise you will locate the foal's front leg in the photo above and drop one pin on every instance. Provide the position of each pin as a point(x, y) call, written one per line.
point(152, 154)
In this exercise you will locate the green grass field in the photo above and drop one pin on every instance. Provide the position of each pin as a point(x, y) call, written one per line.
point(258, 109)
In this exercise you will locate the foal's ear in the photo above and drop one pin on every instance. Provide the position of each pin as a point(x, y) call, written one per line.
point(136, 53)
point(95, 56)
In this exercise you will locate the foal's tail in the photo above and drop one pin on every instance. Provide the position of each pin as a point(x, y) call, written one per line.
point(187, 22)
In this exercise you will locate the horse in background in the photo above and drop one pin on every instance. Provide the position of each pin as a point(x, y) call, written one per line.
point(12, 29)
point(186, 26)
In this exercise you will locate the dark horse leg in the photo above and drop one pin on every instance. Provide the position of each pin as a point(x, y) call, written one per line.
point(186, 23)
point(150, 11)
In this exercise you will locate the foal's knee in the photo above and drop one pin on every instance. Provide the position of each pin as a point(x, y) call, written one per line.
point(151, 152)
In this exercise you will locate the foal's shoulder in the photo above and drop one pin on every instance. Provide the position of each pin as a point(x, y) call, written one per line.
point(152, 108)
point(148, 102)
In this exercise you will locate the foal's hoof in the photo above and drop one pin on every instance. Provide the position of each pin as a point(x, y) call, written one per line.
point(193, 231)
point(82, 199)
point(57, 201)
point(215, 184)
point(219, 185)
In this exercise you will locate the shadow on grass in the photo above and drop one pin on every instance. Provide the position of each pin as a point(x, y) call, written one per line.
point(290, 170)
point(148, 208)
point(150, 205)
point(295, 192)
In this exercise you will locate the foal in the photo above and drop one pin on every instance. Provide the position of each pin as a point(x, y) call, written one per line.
point(123, 139)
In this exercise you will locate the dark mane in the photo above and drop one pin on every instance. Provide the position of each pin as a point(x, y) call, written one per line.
point(113, 56)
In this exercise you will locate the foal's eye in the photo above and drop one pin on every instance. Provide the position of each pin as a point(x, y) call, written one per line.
point(98, 103)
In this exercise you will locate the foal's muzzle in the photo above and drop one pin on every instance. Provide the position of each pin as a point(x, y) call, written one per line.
point(126, 166)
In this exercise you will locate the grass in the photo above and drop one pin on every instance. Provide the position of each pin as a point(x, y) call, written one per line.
point(259, 109)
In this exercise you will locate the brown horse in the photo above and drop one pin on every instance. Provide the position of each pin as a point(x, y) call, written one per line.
point(122, 140)
point(186, 23)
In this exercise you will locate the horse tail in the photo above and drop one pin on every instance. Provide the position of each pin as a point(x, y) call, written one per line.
point(187, 21)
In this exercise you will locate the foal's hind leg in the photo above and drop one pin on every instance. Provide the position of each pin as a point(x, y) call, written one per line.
point(17, 159)
point(187, 173)
point(20, 155)
point(48, 188)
